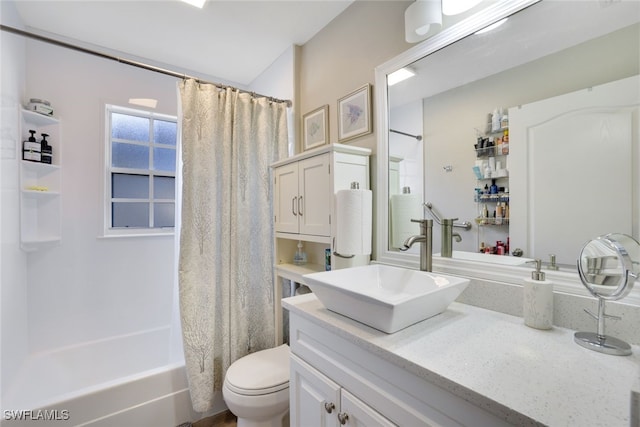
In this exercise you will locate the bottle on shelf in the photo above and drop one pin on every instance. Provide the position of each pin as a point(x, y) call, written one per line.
point(300, 257)
point(32, 149)
point(47, 150)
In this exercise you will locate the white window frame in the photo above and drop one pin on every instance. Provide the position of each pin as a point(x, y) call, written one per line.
point(108, 230)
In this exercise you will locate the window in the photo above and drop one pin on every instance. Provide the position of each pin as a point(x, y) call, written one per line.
point(141, 171)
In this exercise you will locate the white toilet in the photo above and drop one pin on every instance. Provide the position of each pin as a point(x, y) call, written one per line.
point(256, 388)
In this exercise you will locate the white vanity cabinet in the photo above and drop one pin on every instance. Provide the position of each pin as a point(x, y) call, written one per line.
point(40, 185)
point(318, 401)
point(330, 370)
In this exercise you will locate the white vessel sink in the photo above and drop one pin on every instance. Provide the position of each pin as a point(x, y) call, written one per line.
point(384, 297)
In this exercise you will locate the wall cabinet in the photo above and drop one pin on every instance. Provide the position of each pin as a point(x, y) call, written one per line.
point(305, 210)
point(40, 186)
point(303, 197)
point(318, 401)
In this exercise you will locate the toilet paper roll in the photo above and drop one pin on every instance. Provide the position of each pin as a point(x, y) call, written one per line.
point(354, 210)
point(404, 208)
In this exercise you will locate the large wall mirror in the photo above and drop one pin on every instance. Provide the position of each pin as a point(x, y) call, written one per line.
point(564, 160)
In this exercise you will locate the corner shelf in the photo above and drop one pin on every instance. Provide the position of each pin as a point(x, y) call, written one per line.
point(40, 209)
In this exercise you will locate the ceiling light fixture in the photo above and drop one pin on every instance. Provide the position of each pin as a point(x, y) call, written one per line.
point(421, 19)
point(492, 26)
point(455, 7)
point(400, 75)
point(196, 3)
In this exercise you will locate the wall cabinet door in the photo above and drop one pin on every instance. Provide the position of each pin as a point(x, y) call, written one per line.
point(315, 196)
point(286, 198)
point(303, 197)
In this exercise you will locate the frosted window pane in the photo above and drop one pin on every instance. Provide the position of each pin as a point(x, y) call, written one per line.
point(164, 132)
point(130, 156)
point(124, 126)
point(164, 187)
point(130, 214)
point(129, 186)
point(163, 215)
point(164, 159)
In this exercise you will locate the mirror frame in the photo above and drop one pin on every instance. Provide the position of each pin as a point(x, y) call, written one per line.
point(567, 282)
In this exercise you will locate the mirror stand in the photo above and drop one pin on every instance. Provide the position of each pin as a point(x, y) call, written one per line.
point(608, 267)
point(599, 341)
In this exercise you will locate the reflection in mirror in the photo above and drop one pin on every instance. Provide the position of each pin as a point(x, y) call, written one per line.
point(546, 182)
point(608, 267)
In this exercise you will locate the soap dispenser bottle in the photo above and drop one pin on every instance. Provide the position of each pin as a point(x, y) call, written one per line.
point(300, 257)
point(47, 150)
point(538, 300)
point(31, 149)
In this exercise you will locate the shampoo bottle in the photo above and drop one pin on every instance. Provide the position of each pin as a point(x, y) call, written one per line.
point(538, 300)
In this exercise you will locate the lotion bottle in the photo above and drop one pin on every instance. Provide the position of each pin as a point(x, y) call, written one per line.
point(538, 300)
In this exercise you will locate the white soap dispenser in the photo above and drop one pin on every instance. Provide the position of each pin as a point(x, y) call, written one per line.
point(538, 300)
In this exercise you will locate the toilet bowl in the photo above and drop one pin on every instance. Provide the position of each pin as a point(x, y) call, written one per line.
point(256, 388)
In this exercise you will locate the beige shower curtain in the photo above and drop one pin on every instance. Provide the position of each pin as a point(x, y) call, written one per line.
point(226, 238)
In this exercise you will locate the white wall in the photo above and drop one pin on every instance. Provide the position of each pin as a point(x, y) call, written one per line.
point(13, 262)
point(89, 288)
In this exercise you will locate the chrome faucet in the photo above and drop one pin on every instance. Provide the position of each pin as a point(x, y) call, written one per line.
point(446, 249)
point(425, 238)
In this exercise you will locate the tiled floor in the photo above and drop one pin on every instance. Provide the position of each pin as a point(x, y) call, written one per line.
point(226, 419)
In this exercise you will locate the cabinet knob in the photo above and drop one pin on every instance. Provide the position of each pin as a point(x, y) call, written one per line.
point(329, 407)
point(343, 417)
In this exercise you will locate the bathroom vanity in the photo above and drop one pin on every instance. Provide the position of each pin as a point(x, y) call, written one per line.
point(467, 366)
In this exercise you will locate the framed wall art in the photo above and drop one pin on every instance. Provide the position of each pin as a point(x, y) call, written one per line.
point(354, 114)
point(315, 128)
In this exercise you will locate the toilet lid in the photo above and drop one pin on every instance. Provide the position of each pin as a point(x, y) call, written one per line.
point(262, 372)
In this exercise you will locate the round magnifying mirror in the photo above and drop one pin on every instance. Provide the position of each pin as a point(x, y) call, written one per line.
point(609, 265)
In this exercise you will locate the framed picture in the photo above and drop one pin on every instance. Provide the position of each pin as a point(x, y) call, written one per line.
point(354, 114)
point(315, 128)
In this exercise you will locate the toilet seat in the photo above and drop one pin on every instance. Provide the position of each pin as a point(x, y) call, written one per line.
point(260, 373)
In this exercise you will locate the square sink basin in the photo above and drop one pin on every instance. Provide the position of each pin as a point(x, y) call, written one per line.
point(384, 297)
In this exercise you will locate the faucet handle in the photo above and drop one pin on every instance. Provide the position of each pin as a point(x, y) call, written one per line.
point(426, 222)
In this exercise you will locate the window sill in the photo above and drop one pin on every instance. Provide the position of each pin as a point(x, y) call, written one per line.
point(113, 234)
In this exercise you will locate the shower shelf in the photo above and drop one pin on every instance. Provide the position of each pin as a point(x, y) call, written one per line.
point(40, 186)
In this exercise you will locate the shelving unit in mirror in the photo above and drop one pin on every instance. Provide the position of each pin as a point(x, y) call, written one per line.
point(492, 185)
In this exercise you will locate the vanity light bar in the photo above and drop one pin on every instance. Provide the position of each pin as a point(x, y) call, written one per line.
point(400, 75)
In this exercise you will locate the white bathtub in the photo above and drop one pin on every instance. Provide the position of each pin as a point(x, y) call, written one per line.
point(122, 381)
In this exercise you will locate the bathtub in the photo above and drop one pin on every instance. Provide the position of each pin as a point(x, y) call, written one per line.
point(122, 381)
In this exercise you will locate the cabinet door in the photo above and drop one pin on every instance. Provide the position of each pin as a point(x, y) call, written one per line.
point(285, 204)
point(315, 196)
point(314, 398)
point(356, 413)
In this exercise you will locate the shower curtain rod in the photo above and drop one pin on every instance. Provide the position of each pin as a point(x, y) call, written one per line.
point(418, 137)
point(131, 62)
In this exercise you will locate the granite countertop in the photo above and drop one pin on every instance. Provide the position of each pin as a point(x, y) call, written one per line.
point(494, 361)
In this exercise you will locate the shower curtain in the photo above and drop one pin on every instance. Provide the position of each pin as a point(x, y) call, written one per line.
point(226, 239)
